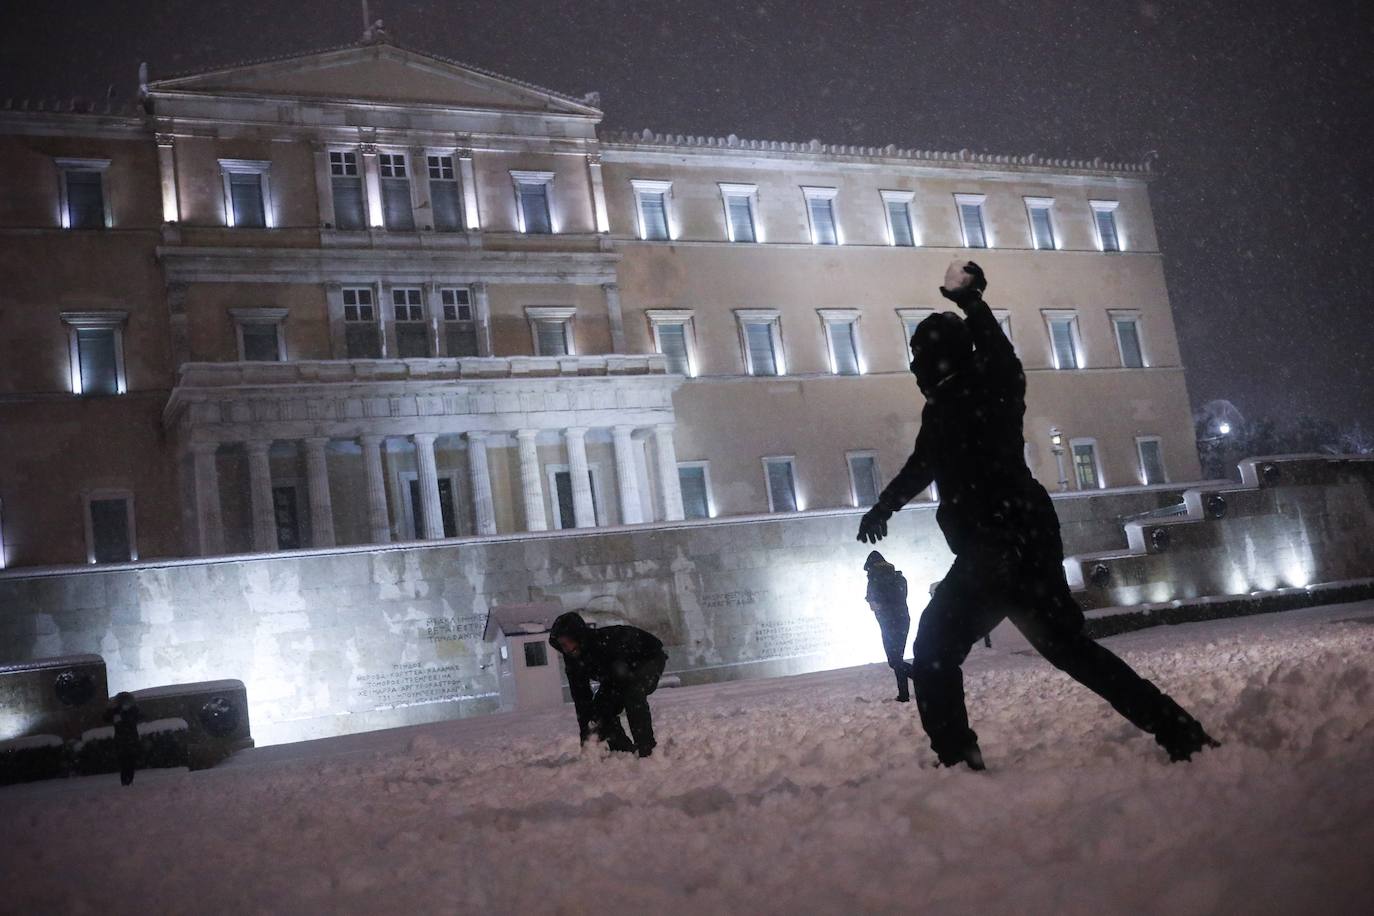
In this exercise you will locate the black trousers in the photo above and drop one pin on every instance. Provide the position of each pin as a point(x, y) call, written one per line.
point(895, 627)
point(982, 588)
point(629, 695)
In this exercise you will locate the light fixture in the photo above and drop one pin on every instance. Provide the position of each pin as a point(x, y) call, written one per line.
point(1224, 429)
point(1057, 447)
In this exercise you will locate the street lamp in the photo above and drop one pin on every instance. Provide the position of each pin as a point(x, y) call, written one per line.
point(1057, 446)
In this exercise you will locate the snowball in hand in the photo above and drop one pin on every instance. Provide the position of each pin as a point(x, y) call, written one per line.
point(956, 277)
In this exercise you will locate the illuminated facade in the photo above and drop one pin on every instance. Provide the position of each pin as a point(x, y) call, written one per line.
point(368, 295)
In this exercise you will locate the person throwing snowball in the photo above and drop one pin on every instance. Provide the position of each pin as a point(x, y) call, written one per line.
point(1001, 526)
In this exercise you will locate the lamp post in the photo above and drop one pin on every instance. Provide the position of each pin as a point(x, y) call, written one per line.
point(1057, 446)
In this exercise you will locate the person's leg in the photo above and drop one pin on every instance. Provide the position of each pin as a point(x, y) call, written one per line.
point(607, 705)
point(958, 614)
point(894, 644)
point(643, 683)
point(1055, 629)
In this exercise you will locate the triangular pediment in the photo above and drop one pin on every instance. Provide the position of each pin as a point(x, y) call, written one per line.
point(378, 72)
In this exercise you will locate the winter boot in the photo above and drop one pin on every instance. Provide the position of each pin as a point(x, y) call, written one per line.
point(970, 755)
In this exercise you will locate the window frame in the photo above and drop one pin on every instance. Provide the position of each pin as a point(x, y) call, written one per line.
point(1075, 335)
point(686, 317)
point(773, 317)
point(109, 493)
point(462, 524)
point(830, 318)
point(1107, 206)
point(1140, 460)
point(544, 178)
point(791, 461)
point(375, 292)
point(263, 169)
point(1132, 316)
point(99, 319)
point(67, 164)
point(425, 320)
point(812, 193)
point(915, 316)
point(551, 472)
point(849, 457)
point(1046, 204)
point(1097, 463)
point(905, 198)
point(705, 466)
point(455, 160)
point(750, 192)
point(273, 316)
point(643, 186)
point(473, 309)
point(980, 201)
point(563, 313)
point(360, 176)
point(1003, 317)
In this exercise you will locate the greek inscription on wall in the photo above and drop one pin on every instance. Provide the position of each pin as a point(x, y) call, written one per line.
point(740, 598)
point(451, 629)
point(409, 684)
point(800, 636)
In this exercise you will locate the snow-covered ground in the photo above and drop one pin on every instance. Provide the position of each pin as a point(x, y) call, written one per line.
point(812, 794)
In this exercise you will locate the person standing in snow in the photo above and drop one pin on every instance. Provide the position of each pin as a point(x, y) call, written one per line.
point(1001, 526)
point(626, 662)
point(123, 714)
point(887, 599)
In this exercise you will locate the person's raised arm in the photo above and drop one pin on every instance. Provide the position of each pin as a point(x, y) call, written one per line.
point(914, 477)
point(965, 289)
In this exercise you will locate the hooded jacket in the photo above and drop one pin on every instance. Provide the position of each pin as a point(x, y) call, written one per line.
point(971, 445)
point(605, 655)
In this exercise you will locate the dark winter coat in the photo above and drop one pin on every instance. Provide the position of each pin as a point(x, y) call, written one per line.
point(970, 444)
point(614, 654)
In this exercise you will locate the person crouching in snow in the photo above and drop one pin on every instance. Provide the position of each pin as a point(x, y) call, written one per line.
point(123, 714)
point(887, 599)
point(626, 662)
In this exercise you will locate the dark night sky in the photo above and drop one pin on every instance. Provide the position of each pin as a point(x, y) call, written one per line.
point(1261, 114)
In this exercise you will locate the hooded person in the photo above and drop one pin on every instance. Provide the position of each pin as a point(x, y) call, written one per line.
point(123, 714)
point(1002, 529)
point(626, 662)
point(887, 599)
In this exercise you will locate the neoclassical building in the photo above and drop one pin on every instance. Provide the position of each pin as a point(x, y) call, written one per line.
point(369, 295)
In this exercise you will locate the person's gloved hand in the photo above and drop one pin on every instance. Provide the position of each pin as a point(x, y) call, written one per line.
point(970, 290)
point(873, 526)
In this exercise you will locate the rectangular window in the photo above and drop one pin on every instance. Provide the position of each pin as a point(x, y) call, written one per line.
point(536, 654)
point(397, 214)
point(261, 342)
point(695, 482)
point(99, 374)
point(1064, 340)
point(971, 219)
point(83, 193)
point(1128, 341)
point(782, 485)
point(820, 208)
point(350, 210)
point(1104, 218)
point(673, 338)
point(762, 344)
point(551, 328)
point(864, 485)
point(562, 490)
point(1085, 467)
point(412, 331)
point(1042, 227)
point(111, 523)
point(448, 518)
point(739, 211)
point(444, 197)
point(362, 336)
point(245, 200)
point(652, 199)
point(899, 229)
point(460, 324)
point(1151, 460)
point(532, 197)
point(840, 327)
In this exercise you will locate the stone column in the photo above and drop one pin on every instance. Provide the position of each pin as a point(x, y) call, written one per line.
point(584, 510)
point(483, 510)
point(433, 516)
point(530, 482)
point(667, 472)
point(467, 186)
point(260, 494)
point(613, 315)
point(321, 506)
point(603, 224)
point(626, 478)
point(209, 521)
point(372, 185)
point(167, 167)
point(378, 522)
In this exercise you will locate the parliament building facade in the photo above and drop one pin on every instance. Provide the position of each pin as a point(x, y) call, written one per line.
point(368, 295)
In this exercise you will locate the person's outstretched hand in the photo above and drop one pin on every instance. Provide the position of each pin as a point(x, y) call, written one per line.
point(970, 291)
point(873, 526)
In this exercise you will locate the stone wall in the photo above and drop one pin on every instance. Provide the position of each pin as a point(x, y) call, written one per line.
point(330, 642)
